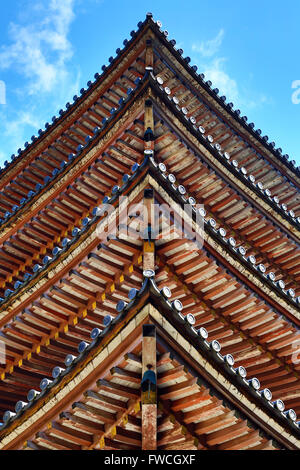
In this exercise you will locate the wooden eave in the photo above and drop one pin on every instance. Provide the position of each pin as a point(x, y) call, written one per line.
point(43, 286)
point(107, 270)
point(210, 312)
point(40, 174)
point(94, 152)
point(46, 317)
point(189, 137)
point(119, 337)
point(98, 160)
point(208, 151)
point(102, 83)
point(87, 145)
point(261, 287)
point(114, 68)
point(230, 259)
point(10, 278)
point(204, 185)
point(165, 48)
point(238, 316)
point(184, 69)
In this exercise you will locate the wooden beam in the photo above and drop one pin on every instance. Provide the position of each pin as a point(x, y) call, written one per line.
point(241, 443)
point(229, 432)
point(149, 390)
point(214, 424)
point(148, 226)
point(148, 219)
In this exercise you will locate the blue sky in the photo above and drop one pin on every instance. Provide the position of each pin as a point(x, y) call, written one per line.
point(249, 49)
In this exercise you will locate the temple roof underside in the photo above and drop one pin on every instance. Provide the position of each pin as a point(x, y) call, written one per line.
point(118, 334)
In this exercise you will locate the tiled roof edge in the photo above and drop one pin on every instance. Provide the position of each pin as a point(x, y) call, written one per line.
point(232, 166)
point(214, 92)
point(74, 157)
point(179, 192)
point(56, 120)
point(198, 337)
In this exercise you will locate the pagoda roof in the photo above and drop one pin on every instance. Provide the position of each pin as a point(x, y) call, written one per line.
point(213, 370)
point(101, 83)
point(156, 27)
point(73, 304)
point(148, 81)
point(52, 299)
point(69, 310)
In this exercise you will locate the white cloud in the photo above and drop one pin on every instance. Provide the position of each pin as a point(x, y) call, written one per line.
point(14, 128)
point(210, 47)
point(38, 59)
point(40, 49)
point(215, 72)
point(213, 65)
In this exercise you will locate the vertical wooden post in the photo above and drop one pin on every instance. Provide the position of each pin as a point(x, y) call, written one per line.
point(148, 244)
point(149, 389)
point(148, 126)
point(149, 55)
point(149, 374)
point(148, 247)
